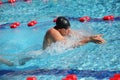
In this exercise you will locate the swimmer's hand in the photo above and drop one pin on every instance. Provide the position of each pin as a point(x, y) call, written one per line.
point(97, 39)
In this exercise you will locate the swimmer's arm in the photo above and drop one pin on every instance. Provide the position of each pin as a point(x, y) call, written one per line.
point(85, 40)
point(82, 42)
point(56, 36)
point(95, 39)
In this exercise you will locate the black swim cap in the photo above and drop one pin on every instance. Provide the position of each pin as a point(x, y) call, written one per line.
point(62, 22)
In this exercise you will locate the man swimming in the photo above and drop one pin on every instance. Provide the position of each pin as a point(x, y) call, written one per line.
point(62, 29)
point(59, 33)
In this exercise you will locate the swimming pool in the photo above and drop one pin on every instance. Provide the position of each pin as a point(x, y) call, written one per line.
point(89, 62)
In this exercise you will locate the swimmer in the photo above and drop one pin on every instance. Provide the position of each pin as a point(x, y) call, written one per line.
point(59, 33)
point(62, 29)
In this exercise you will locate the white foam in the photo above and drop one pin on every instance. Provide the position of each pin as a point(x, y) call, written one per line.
point(61, 46)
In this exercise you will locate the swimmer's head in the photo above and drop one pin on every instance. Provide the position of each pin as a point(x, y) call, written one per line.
point(62, 22)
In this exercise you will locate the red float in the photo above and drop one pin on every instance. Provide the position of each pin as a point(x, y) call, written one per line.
point(117, 75)
point(11, 1)
point(31, 78)
point(0, 2)
point(32, 23)
point(70, 77)
point(108, 18)
point(85, 18)
point(15, 25)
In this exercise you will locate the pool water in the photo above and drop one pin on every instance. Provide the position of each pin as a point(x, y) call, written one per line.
point(88, 62)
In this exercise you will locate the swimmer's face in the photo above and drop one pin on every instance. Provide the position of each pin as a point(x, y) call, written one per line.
point(64, 32)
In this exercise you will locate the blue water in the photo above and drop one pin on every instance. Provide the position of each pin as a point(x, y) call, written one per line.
point(89, 62)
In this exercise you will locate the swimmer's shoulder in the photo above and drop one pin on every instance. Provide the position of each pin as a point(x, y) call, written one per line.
point(52, 31)
point(55, 34)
